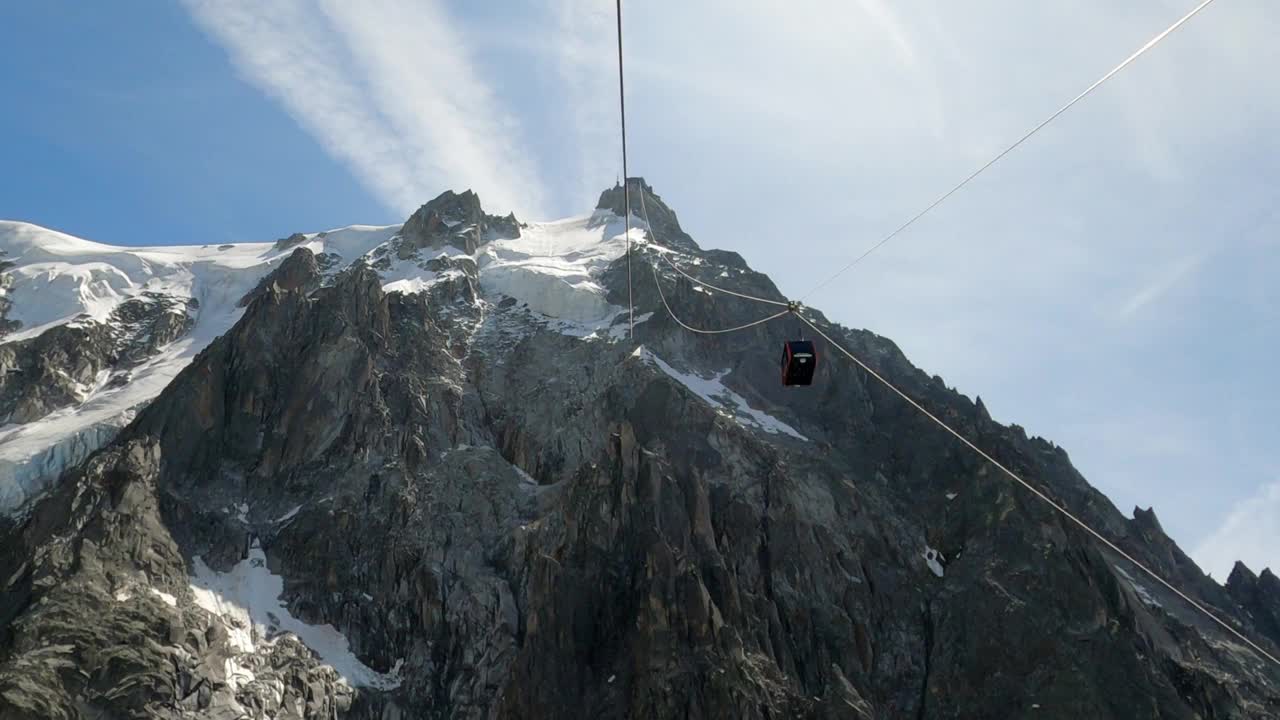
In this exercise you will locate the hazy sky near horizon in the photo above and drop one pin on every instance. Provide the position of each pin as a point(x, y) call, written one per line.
point(1111, 285)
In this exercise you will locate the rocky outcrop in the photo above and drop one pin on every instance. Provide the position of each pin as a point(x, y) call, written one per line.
point(662, 218)
point(108, 640)
point(67, 363)
point(6, 325)
point(454, 220)
point(500, 520)
point(300, 272)
point(292, 241)
point(1259, 596)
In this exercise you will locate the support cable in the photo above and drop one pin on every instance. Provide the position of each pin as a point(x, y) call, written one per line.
point(1137, 54)
point(1062, 510)
point(626, 188)
point(644, 213)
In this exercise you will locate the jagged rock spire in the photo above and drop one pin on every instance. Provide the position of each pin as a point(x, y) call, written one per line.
point(663, 220)
point(455, 219)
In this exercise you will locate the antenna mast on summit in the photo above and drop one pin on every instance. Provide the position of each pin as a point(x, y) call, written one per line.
point(626, 190)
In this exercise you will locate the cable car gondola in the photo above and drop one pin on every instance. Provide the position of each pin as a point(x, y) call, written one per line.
point(799, 360)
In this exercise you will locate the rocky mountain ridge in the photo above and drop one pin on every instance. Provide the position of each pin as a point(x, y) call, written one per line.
point(421, 472)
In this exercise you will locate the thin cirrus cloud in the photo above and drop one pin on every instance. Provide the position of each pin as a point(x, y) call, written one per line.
point(1029, 287)
point(584, 42)
point(1162, 283)
point(388, 89)
point(1250, 534)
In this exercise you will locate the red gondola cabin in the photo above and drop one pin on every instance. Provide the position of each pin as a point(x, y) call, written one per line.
point(799, 360)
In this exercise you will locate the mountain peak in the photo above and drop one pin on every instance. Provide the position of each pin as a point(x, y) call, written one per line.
point(457, 220)
point(1147, 520)
point(613, 199)
point(1241, 576)
point(645, 203)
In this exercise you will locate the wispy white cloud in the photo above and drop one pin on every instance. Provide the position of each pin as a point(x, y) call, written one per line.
point(884, 18)
point(388, 88)
point(302, 72)
point(1161, 283)
point(832, 124)
point(799, 133)
point(1250, 533)
point(585, 50)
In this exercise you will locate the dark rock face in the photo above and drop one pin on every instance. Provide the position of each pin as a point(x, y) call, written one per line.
point(455, 220)
point(300, 272)
point(661, 218)
point(1259, 595)
point(99, 645)
point(293, 240)
point(516, 523)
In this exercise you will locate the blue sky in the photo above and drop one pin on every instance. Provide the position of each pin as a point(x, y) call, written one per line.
point(1110, 285)
point(126, 125)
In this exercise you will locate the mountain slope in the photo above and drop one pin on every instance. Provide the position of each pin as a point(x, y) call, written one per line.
point(432, 479)
point(94, 332)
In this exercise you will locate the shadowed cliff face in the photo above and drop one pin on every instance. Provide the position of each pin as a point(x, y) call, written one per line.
point(502, 519)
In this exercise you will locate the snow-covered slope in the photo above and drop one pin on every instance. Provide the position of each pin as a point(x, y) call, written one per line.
point(59, 280)
point(55, 280)
point(247, 600)
point(553, 266)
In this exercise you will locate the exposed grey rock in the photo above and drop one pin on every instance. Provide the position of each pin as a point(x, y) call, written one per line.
point(528, 524)
point(6, 304)
point(61, 366)
point(455, 220)
point(293, 240)
point(662, 218)
point(1259, 595)
point(300, 272)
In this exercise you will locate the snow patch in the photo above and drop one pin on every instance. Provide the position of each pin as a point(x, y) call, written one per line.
point(247, 599)
point(622, 329)
point(289, 515)
point(410, 277)
point(168, 599)
point(1143, 593)
point(725, 401)
point(550, 293)
point(553, 266)
point(525, 477)
point(410, 286)
point(933, 559)
point(84, 391)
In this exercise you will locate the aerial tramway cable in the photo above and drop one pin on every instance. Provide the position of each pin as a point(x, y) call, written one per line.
point(942, 198)
point(1027, 136)
point(1059, 508)
point(644, 213)
point(626, 190)
point(701, 331)
point(796, 309)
